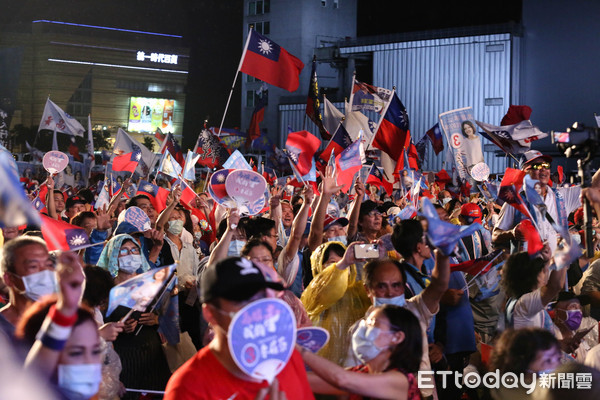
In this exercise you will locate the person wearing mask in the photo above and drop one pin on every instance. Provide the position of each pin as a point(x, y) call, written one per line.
point(139, 345)
point(64, 338)
point(228, 286)
point(388, 344)
point(571, 325)
point(28, 272)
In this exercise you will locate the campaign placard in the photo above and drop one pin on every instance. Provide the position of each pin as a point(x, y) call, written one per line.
point(55, 161)
point(480, 172)
point(312, 338)
point(136, 217)
point(244, 186)
point(261, 338)
point(216, 187)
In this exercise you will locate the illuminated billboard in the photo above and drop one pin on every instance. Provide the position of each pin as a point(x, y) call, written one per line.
point(146, 114)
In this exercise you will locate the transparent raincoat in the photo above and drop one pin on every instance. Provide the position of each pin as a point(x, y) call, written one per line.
point(334, 300)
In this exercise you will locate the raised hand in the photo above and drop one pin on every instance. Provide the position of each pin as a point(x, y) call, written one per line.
point(329, 182)
point(70, 282)
point(103, 219)
point(233, 218)
point(308, 194)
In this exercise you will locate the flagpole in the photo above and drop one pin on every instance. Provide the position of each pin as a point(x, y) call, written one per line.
point(352, 91)
point(381, 119)
point(235, 80)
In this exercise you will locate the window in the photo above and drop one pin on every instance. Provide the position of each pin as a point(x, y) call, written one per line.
point(323, 3)
point(264, 28)
point(336, 3)
point(259, 7)
point(250, 98)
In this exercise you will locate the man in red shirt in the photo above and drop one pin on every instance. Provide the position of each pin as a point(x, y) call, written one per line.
point(227, 287)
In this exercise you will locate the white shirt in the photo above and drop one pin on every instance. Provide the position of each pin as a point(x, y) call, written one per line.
point(187, 260)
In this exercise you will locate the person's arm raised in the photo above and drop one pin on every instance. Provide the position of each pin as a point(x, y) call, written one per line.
point(172, 201)
point(440, 277)
point(328, 189)
point(359, 187)
point(220, 250)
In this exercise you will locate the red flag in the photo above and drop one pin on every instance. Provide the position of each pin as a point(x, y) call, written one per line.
point(509, 190)
point(74, 150)
point(60, 235)
point(173, 147)
point(156, 194)
point(269, 62)
point(393, 133)
point(532, 237)
point(126, 162)
point(301, 147)
point(477, 266)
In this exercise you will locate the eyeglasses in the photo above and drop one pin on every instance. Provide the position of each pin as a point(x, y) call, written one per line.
point(540, 166)
point(374, 213)
point(133, 250)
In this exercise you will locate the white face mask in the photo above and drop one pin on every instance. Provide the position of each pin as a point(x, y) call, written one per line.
point(446, 200)
point(399, 301)
point(79, 380)
point(130, 263)
point(39, 284)
point(235, 248)
point(342, 239)
point(175, 227)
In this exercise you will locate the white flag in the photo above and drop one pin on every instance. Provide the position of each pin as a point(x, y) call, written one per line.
point(331, 116)
point(189, 168)
point(169, 166)
point(55, 118)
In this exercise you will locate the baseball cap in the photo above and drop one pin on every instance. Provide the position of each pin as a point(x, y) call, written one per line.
point(330, 220)
point(71, 201)
point(235, 279)
point(471, 211)
point(531, 156)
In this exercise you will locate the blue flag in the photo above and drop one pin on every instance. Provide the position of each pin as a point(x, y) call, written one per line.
point(15, 205)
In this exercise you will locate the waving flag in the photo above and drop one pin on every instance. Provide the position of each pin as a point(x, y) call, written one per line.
point(169, 166)
point(157, 195)
point(393, 133)
point(313, 104)
point(258, 115)
point(339, 141)
point(54, 118)
point(124, 143)
point(237, 161)
point(60, 235)
point(189, 169)
point(509, 190)
point(331, 116)
point(188, 196)
point(532, 237)
point(15, 205)
point(477, 266)
point(376, 178)
point(516, 114)
point(103, 198)
point(512, 139)
point(367, 97)
point(348, 163)
point(301, 147)
point(171, 145)
point(126, 162)
point(212, 152)
point(444, 235)
point(435, 136)
point(269, 62)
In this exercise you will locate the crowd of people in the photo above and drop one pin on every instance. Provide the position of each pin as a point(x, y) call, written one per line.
point(404, 323)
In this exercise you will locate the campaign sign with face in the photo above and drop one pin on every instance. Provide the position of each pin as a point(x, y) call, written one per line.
point(138, 292)
point(136, 217)
point(244, 186)
point(55, 161)
point(261, 338)
point(312, 338)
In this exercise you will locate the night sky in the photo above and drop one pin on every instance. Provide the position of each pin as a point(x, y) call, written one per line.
point(213, 31)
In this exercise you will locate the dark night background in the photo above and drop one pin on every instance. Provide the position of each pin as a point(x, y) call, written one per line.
point(213, 31)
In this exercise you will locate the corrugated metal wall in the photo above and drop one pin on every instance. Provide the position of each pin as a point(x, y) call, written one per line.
point(434, 76)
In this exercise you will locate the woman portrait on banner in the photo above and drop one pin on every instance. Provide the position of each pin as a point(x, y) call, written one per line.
point(470, 146)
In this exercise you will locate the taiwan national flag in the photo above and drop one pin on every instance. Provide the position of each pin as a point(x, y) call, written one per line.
point(393, 131)
point(348, 163)
point(301, 148)
point(127, 162)
point(60, 235)
point(376, 178)
point(156, 194)
point(435, 135)
point(509, 190)
point(170, 144)
point(258, 115)
point(188, 196)
point(339, 142)
point(212, 152)
point(269, 62)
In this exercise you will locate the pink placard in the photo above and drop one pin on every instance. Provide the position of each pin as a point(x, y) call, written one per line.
point(55, 161)
point(245, 186)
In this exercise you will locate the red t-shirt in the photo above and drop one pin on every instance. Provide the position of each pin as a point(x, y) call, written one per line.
point(203, 377)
